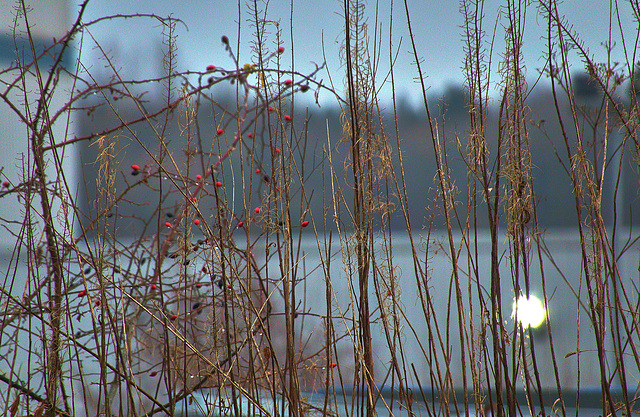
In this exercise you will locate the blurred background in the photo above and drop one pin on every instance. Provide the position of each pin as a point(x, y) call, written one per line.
point(311, 33)
point(137, 50)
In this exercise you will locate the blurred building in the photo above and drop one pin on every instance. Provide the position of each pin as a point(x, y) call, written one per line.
point(48, 22)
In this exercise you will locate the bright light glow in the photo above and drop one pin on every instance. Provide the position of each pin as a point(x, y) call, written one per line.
point(530, 312)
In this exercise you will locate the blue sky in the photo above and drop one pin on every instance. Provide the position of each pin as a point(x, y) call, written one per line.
point(315, 27)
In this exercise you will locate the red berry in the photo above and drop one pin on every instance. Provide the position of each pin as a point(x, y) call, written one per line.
point(6, 184)
point(152, 287)
point(220, 131)
point(277, 188)
point(333, 364)
point(154, 373)
point(304, 223)
point(277, 150)
point(97, 303)
point(82, 293)
point(281, 49)
point(135, 167)
point(211, 67)
point(240, 224)
point(257, 210)
point(198, 285)
point(218, 184)
point(257, 171)
point(198, 177)
point(167, 224)
point(288, 82)
point(174, 317)
point(225, 39)
point(250, 135)
point(196, 222)
point(287, 118)
point(229, 286)
point(271, 109)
